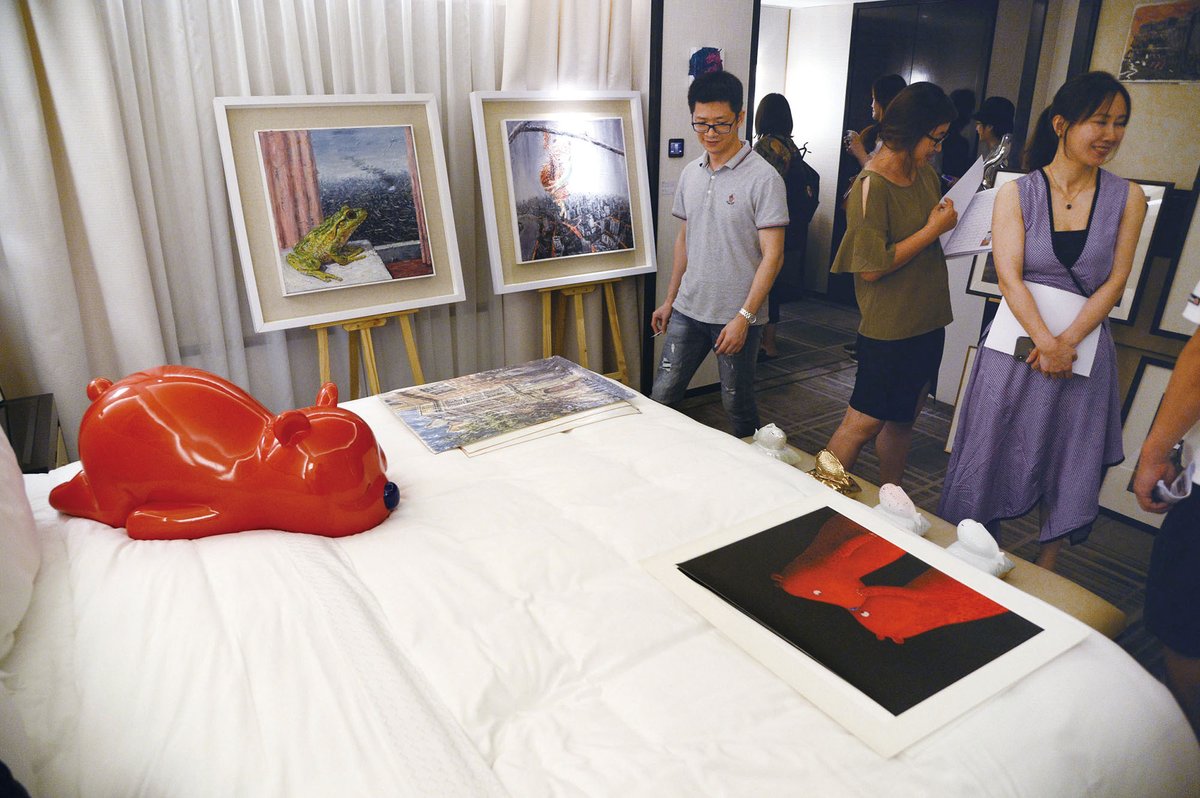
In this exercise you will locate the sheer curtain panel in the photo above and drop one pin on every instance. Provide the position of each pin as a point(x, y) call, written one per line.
point(116, 244)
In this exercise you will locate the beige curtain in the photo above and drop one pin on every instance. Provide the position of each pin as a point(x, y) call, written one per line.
point(117, 249)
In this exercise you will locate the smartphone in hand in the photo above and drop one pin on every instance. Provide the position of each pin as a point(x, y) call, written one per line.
point(1023, 348)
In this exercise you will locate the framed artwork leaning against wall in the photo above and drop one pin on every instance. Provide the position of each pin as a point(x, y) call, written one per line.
point(1137, 416)
point(1181, 279)
point(565, 187)
point(984, 282)
point(341, 206)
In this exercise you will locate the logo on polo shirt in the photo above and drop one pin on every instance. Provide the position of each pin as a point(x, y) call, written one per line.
point(730, 201)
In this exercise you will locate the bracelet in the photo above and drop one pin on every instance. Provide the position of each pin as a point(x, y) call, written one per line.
point(747, 315)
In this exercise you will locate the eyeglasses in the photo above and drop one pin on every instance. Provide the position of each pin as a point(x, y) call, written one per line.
point(720, 128)
point(937, 140)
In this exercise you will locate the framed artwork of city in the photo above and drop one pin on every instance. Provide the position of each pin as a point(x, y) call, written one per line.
point(566, 195)
point(341, 206)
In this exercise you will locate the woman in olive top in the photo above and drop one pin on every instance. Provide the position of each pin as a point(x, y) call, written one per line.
point(894, 215)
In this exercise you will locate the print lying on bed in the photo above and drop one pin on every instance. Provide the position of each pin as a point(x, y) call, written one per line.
point(485, 411)
point(903, 637)
point(885, 621)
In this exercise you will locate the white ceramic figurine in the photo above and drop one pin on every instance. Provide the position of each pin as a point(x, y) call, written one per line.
point(772, 441)
point(895, 505)
point(975, 545)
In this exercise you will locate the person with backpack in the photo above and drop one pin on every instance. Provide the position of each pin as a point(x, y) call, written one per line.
point(773, 124)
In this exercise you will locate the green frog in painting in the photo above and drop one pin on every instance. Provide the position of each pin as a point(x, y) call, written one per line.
point(326, 243)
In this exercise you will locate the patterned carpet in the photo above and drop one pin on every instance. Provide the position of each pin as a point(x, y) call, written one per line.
point(804, 391)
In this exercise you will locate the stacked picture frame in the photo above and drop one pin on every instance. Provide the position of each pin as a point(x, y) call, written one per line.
point(1181, 277)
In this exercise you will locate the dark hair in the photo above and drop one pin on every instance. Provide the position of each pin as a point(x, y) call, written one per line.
point(774, 115)
point(964, 105)
point(917, 110)
point(885, 88)
point(998, 113)
point(1079, 98)
point(716, 87)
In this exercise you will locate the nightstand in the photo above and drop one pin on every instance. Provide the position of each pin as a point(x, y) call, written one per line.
point(31, 424)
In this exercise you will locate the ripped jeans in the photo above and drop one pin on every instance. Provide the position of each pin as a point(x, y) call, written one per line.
point(686, 345)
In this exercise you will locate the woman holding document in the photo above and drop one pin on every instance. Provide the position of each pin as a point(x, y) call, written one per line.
point(1033, 431)
point(894, 216)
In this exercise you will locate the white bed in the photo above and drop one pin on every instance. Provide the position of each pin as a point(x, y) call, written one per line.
point(497, 635)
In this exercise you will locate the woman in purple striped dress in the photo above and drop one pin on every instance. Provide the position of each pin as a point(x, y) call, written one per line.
point(1031, 432)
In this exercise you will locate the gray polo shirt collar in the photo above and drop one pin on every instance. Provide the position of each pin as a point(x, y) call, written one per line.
point(733, 162)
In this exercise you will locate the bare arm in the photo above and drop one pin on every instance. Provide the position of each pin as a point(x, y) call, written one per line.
point(662, 314)
point(1179, 411)
point(733, 336)
point(943, 217)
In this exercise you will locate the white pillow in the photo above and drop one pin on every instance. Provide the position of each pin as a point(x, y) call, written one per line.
point(20, 554)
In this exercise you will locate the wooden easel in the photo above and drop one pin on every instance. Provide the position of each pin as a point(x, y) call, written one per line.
point(363, 329)
point(554, 322)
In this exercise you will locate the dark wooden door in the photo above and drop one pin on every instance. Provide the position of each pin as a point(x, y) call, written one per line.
point(948, 42)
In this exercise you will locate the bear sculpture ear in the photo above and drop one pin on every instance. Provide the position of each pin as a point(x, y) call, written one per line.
point(97, 387)
point(289, 424)
point(328, 395)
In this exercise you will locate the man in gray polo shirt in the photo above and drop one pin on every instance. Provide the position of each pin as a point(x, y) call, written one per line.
point(729, 248)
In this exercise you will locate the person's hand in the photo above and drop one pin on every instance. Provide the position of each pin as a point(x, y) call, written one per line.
point(943, 217)
point(732, 337)
point(660, 317)
point(1055, 362)
point(1150, 470)
point(854, 146)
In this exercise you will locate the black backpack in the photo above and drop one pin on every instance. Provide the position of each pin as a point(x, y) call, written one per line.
point(803, 186)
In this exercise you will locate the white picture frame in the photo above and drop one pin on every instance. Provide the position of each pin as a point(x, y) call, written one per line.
point(494, 115)
point(244, 125)
point(963, 383)
point(1141, 406)
point(884, 731)
point(1181, 279)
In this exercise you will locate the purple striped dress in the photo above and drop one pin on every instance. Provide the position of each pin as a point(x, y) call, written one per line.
point(1023, 437)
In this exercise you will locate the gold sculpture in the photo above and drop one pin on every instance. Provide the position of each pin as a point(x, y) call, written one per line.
point(829, 471)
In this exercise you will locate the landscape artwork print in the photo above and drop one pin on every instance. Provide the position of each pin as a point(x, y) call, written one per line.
point(569, 184)
point(886, 622)
point(345, 206)
point(1164, 43)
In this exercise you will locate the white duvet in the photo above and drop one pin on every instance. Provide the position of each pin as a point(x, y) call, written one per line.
point(497, 634)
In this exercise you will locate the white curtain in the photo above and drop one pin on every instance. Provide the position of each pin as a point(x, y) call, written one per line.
point(116, 246)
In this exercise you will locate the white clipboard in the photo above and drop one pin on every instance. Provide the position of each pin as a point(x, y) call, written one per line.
point(1058, 308)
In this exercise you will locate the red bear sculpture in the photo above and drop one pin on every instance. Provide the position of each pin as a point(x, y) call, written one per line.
point(177, 453)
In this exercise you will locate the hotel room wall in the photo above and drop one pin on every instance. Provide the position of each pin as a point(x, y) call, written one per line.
point(1160, 144)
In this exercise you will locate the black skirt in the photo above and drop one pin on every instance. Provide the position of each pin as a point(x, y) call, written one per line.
point(891, 374)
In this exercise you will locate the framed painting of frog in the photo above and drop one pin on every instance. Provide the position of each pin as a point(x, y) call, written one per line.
point(566, 191)
point(341, 206)
point(345, 206)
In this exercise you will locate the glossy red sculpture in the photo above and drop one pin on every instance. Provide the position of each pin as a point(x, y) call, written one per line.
point(177, 453)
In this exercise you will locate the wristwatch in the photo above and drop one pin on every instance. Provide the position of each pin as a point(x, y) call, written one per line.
point(747, 315)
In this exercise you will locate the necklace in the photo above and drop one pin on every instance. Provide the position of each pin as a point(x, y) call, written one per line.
point(1070, 198)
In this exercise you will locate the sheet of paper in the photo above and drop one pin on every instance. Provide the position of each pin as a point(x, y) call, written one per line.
point(962, 193)
point(1058, 309)
point(973, 233)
